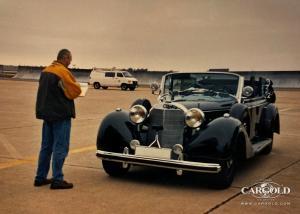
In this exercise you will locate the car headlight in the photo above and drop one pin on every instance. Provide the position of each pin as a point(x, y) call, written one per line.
point(194, 117)
point(137, 113)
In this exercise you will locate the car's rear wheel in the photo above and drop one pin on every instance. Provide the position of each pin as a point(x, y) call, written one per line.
point(268, 133)
point(268, 149)
point(114, 169)
point(132, 88)
point(124, 87)
point(96, 85)
point(105, 87)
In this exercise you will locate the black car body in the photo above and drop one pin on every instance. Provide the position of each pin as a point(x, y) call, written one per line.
point(204, 122)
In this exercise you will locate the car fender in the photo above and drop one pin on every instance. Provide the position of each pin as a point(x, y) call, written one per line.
point(115, 131)
point(238, 111)
point(216, 139)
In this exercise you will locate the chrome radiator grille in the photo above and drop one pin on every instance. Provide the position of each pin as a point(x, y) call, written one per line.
point(172, 121)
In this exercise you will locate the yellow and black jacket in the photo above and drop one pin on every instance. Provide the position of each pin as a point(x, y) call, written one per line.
point(56, 93)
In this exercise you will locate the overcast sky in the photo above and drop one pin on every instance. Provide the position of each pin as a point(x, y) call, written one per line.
point(182, 35)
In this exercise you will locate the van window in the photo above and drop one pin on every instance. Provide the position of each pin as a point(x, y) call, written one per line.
point(119, 75)
point(127, 74)
point(109, 74)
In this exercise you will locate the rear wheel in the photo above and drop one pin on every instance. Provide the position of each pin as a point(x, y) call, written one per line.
point(268, 133)
point(96, 85)
point(132, 88)
point(105, 87)
point(268, 149)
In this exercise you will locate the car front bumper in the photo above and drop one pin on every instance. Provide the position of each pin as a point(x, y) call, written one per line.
point(159, 162)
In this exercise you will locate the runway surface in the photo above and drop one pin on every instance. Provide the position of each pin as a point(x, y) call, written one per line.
point(143, 190)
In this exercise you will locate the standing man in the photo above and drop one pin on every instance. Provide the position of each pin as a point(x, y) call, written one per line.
point(55, 106)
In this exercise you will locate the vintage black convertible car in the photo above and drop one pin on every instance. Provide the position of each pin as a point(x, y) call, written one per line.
point(204, 122)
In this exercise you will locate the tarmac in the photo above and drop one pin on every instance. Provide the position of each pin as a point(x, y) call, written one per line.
point(143, 190)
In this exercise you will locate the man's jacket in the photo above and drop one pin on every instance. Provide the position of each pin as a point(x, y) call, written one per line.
point(56, 93)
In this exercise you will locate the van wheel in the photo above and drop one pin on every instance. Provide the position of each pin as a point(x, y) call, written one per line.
point(124, 87)
point(96, 85)
point(104, 87)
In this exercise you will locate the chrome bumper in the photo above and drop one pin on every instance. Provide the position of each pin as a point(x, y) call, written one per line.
point(158, 162)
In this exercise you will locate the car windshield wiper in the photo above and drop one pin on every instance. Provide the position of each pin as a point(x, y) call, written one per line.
point(188, 91)
point(204, 91)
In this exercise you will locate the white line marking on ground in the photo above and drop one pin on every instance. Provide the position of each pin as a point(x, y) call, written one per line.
point(285, 109)
point(9, 147)
point(33, 159)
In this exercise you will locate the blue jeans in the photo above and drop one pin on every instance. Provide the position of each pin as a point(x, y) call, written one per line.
point(55, 143)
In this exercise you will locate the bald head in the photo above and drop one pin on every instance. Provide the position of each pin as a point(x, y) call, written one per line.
point(64, 56)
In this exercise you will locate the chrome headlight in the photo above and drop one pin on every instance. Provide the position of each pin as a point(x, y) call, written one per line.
point(194, 117)
point(137, 113)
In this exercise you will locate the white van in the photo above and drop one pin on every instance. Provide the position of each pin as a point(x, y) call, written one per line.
point(104, 79)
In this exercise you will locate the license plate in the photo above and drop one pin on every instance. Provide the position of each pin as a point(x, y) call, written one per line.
point(153, 152)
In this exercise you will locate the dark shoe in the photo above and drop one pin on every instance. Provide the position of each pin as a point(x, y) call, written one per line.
point(61, 185)
point(38, 183)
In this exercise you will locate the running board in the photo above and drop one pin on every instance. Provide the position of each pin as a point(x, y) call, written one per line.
point(259, 146)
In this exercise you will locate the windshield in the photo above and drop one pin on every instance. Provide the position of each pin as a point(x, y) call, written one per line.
point(201, 86)
point(127, 74)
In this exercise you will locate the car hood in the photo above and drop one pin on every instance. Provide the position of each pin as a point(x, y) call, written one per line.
point(209, 106)
point(131, 78)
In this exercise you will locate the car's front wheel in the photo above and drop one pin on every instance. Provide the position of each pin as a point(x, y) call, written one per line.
point(96, 85)
point(124, 87)
point(224, 178)
point(114, 169)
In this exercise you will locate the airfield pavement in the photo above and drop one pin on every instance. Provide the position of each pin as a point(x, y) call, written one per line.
point(143, 190)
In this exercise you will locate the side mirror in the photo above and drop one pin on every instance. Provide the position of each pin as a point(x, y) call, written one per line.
point(247, 91)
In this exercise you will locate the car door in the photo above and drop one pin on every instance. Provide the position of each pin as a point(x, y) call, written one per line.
point(119, 79)
point(255, 107)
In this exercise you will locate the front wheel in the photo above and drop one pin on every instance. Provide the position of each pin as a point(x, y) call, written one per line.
point(114, 169)
point(225, 177)
point(97, 85)
point(124, 87)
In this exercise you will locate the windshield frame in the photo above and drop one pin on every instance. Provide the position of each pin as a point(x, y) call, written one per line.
point(167, 82)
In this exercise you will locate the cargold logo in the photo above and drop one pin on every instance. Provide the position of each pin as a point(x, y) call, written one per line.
point(266, 190)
